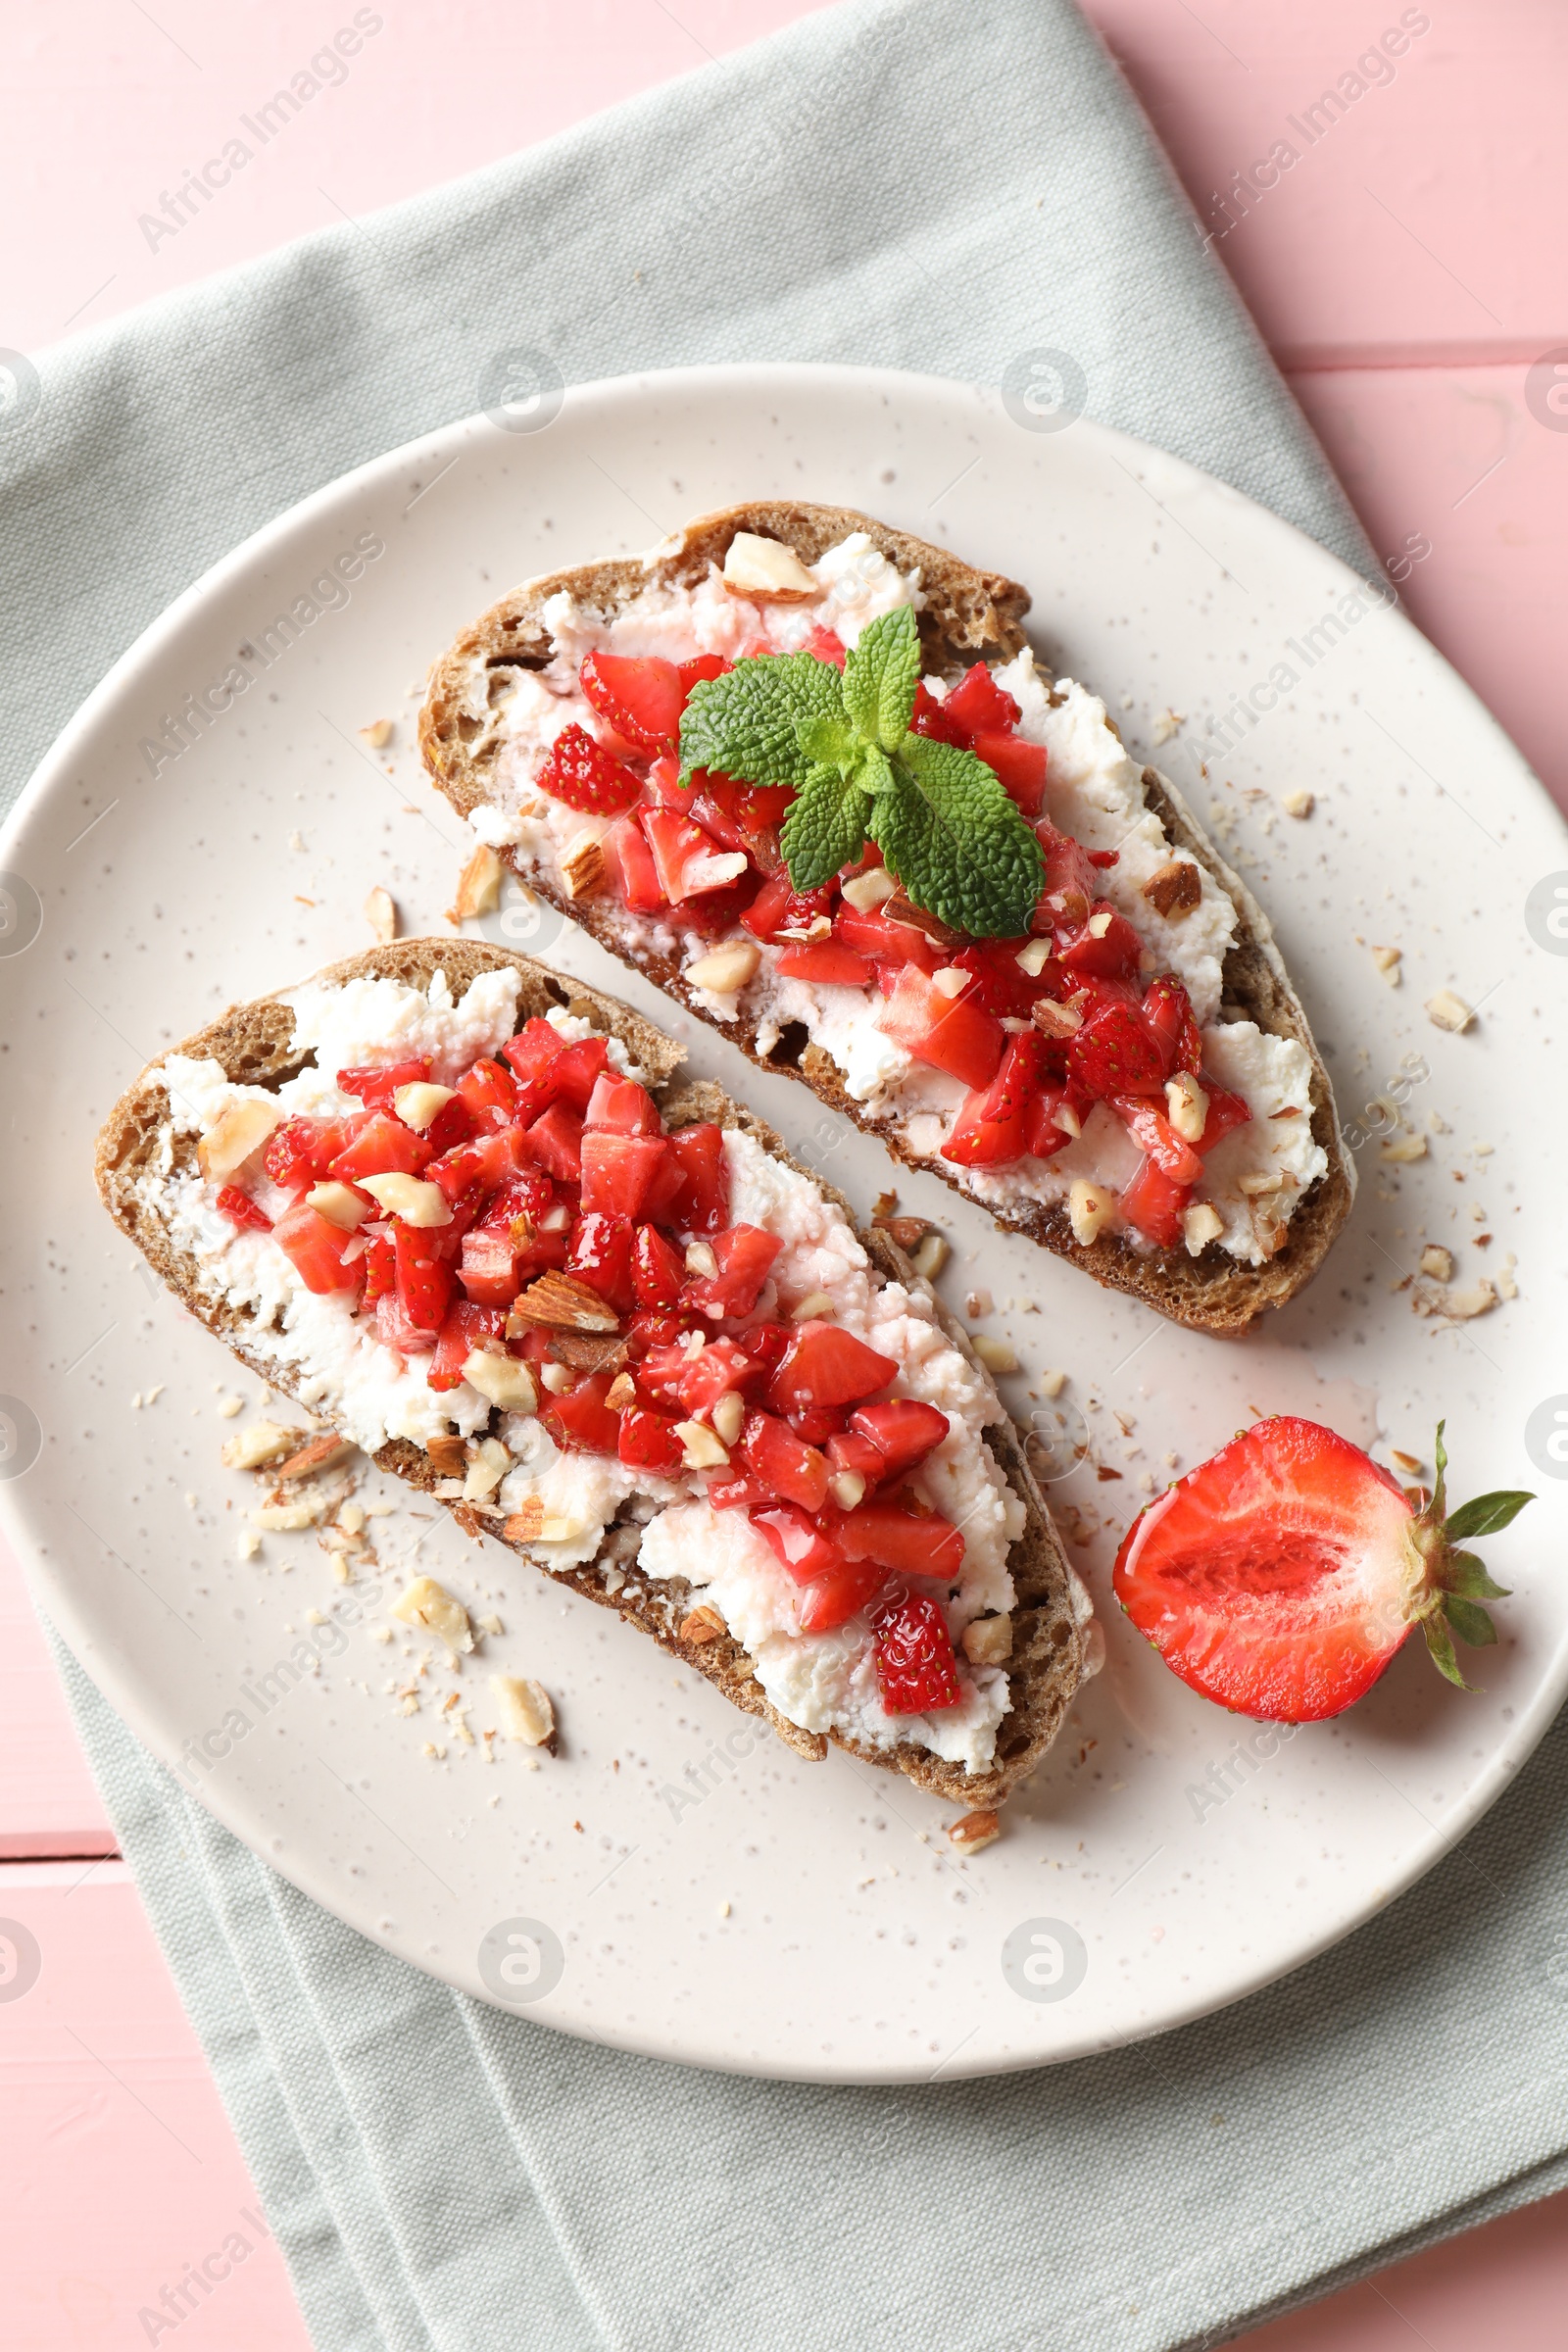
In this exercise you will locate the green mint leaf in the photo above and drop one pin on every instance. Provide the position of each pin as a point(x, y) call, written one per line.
point(1440, 1643)
point(956, 842)
point(1486, 1514)
point(880, 677)
point(875, 772)
point(743, 724)
point(1472, 1625)
point(1463, 1572)
point(825, 828)
point(829, 742)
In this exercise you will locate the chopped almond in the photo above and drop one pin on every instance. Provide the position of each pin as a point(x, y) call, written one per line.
point(976, 1829)
point(1437, 1261)
point(410, 1198)
point(1200, 1226)
point(1175, 890)
point(996, 1354)
point(527, 1713)
point(479, 886)
point(560, 1301)
point(447, 1454)
point(931, 1255)
point(433, 1609)
point(241, 1130)
point(701, 1446)
point(1089, 1211)
point(622, 1392)
point(1449, 1011)
point(504, 1380)
point(1055, 1020)
point(723, 970)
point(988, 1640)
point(322, 1453)
point(870, 889)
point(767, 572)
point(727, 1416)
point(532, 1524)
point(381, 914)
point(705, 1624)
point(1185, 1105)
point(418, 1106)
point(262, 1442)
point(1298, 803)
point(377, 735)
point(582, 864)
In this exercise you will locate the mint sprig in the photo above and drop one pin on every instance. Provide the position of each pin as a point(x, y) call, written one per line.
point(946, 829)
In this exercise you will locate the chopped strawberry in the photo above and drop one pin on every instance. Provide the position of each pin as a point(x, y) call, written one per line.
point(649, 1330)
point(886, 944)
point(901, 1541)
point(687, 861)
point(380, 1268)
point(618, 1170)
point(780, 912)
point(630, 866)
point(1155, 1135)
point(827, 963)
point(658, 1270)
point(383, 1146)
point(1070, 884)
point(990, 1130)
point(638, 695)
point(1021, 766)
point(1043, 1131)
point(745, 1255)
point(241, 1210)
point(647, 1440)
point(848, 1450)
point(580, 1420)
point(1110, 953)
point(599, 1254)
point(526, 1194)
point(998, 982)
point(301, 1151)
point(916, 1669)
point(621, 1106)
point(535, 1049)
point(804, 1550)
point(949, 1033)
point(1113, 1054)
point(977, 705)
point(826, 1365)
point(452, 1125)
point(578, 1069)
point(826, 644)
point(555, 1142)
point(780, 1461)
point(1280, 1577)
point(701, 666)
point(765, 1343)
point(701, 1204)
point(1168, 1014)
point(1153, 1203)
point(819, 1422)
point(424, 1280)
point(316, 1248)
point(586, 776)
point(490, 1092)
point(394, 1329)
point(488, 1268)
point(697, 1382)
point(727, 1492)
point(466, 1327)
point(840, 1593)
point(1226, 1111)
point(904, 1431)
point(376, 1085)
point(487, 1161)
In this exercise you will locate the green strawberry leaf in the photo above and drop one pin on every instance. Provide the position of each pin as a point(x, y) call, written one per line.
point(744, 723)
point(956, 842)
point(825, 828)
point(880, 676)
point(1472, 1625)
point(1462, 1573)
point(1440, 1644)
point(1440, 1454)
point(1487, 1514)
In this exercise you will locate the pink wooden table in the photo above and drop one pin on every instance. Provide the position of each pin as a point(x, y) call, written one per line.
point(1404, 268)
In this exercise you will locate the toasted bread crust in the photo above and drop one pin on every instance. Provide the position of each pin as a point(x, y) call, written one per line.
point(969, 615)
point(252, 1042)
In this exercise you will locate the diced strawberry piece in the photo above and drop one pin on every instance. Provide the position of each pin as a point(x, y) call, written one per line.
point(1225, 1112)
point(375, 1086)
point(701, 1204)
point(488, 1268)
point(916, 1669)
point(490, 1092)
point(849, 1451)
point(649, 1331)
point(555, 1141)
point(1000, 981)
point(718, 819)
point(640, 695)
point(658, 1270)
point(745, 1255)
point(487, 1161)
point(826, 644)
point(1109, 955)
point(765, 912)
point(990, 1130)
point(537, 1047)
point(832, 1599)
point(976, 705)
point(380, 1262)
point(949, 1033)
point(1113, 1054)
point(1153, 1203)
point(819, 1422)
point(697, 1382)
point(1021, 766)
point(621, 1106)
point(901, 1541)
point(241, 1210)
point(765, 1343)
point(526, 1194)
point(788, 1468)
point(1155, 1135)
point(580, 1420)
point(683, 855)
point(886, 944)
point(619, 1169)
point(647, 1440)
point(316, 1248)
point(586, 776)
point(1070, 885)
point(727, 1492)
point(452, 1125)
point(699, 668)
point(904, 1431)
point(394, 1329)
point(1042, 1133)
point(578, 1069)
point(424, 1280)
point(599, 1254)
point(826, 1365)
point(301, 1151)
point(804, 1550)
point(466, 1327)
point(383, 1146)
point(630, 866)
point(1168, 1013)
point(826, 961)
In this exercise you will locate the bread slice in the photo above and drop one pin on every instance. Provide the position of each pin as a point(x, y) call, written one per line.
point(252, 1042)
point(969, 615)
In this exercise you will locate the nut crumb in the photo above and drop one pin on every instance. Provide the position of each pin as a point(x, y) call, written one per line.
point(1298, 803)
point(976, 1829)
point(377, 735)
point(381, 914)
point(1446, 1011)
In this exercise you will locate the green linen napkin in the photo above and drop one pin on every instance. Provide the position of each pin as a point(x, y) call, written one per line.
point(943, 187)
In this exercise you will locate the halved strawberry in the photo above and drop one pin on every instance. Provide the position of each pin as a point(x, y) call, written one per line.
point(316, 1248)
point(586, 776)
point(826, 1365)
point(745, 1255)
point(1280, 1576)
point(782, 1462)
point(916, 1669)
point(901, 1541)
point(638, 695)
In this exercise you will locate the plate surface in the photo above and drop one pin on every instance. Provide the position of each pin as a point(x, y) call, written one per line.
point(675, 1883)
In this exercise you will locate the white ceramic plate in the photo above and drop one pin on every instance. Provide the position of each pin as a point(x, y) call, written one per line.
point(672, 1883)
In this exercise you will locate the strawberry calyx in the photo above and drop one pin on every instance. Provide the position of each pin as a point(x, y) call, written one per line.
point(1449, 1582)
